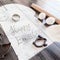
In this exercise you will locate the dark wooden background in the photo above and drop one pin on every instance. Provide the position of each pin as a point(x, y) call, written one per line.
point(25, 2)
point(53, 7)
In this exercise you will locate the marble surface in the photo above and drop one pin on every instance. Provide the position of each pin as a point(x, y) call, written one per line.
point(28, 25)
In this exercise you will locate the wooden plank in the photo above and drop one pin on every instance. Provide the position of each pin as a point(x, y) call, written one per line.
point(24, 2)
point(3, 2)
point(48, 13)
point(10, 55)
point(52, 52)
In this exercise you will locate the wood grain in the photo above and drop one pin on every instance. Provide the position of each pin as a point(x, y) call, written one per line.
point(39, 9)
point(24, 2)
point(10, 54)
point(52, 52)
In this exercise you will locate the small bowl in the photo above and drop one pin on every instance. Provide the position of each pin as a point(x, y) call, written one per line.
point(15, 17)
point(50, 20)
point(42, 16)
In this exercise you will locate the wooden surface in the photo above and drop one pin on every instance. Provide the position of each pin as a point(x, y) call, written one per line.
point(52, 6)
point(48, 14)
point(24, 2)
point(52, 52)
point(10, 55)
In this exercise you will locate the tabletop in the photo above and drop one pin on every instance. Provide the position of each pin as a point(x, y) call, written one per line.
point(28, 23)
